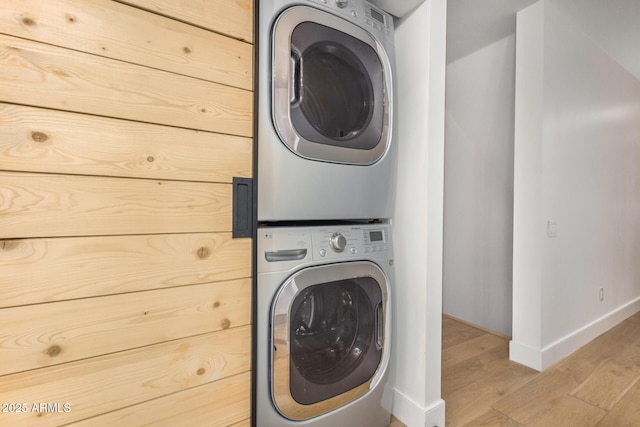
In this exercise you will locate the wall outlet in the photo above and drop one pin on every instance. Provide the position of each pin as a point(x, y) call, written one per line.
point(601, 294)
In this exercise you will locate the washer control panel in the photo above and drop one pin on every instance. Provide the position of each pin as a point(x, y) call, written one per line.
point(288, 247)
point(338, 242)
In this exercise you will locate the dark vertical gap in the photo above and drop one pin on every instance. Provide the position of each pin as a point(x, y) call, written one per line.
point(254, 214)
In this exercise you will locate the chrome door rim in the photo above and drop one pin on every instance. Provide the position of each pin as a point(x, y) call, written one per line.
point(281, 89)
point(280, 339)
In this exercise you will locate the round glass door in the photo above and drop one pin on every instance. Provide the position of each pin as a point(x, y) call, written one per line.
point(331, 88)
point(328, 337)
point(333, 99)
point(332, 330)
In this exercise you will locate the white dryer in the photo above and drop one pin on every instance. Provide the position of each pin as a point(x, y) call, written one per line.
point(326, 111)
point(323, 326)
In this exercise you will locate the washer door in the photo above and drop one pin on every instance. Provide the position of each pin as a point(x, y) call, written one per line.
point(330, 96)
point(328, 332)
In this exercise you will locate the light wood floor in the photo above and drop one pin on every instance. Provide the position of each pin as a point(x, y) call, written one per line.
point(596, 386)
point(396, 423)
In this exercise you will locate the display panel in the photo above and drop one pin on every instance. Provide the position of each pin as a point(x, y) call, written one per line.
point(376, 236)
point(377, 16)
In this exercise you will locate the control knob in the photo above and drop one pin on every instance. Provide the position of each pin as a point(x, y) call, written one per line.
point(342, 3)
point(338, 242)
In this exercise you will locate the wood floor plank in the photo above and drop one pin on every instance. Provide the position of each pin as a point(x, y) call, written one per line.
point(626, 413)
point(473, 369)
point(538, 395)
point(493, 418)
point(396, 422)
point(583, 362)
point(569, 411)
point(613, 378)
point(493, 396)
point(457, 332)
point(475, 346)
point(470, 402)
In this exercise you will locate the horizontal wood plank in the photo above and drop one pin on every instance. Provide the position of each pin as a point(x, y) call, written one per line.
point(114, 30)
point(37, 205)
point(221, 403)
point(39, 140)
point(41, 335)
point(231, 17)
point(45, 270)
point(95, 386)
point(36, 74)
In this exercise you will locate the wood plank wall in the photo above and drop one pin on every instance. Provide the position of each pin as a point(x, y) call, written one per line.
point(123, 298)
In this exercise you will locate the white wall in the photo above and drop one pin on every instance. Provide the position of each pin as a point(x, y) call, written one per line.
point(577, 164)
point(420, 56)
point(478, 197)
point(397, 7)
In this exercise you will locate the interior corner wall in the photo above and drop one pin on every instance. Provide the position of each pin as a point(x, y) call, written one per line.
point(580, 173)
point(478, 201)
point(420, 57)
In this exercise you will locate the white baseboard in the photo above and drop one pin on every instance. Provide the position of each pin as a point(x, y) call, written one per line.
point(413, 415)
point(525, 355)
point(544, 358)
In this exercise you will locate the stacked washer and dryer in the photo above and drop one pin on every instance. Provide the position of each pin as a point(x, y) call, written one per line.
point(325, 184)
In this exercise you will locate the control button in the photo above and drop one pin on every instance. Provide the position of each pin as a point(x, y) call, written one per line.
point(354, 13)
point(367, 250)
point(323, 253)
point(342, 3)
point(353, 250)
point(338, 242)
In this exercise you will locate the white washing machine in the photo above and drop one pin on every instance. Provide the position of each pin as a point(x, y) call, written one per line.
point(323, 326)
point(326, 111)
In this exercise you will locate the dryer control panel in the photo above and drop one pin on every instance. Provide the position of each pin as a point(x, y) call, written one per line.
point(360, 11)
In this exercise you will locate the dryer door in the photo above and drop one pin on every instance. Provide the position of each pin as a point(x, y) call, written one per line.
point(331, 87)
point(328, 337)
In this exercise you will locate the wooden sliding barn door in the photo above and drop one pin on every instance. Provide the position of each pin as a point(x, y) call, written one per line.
point(124, 299)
